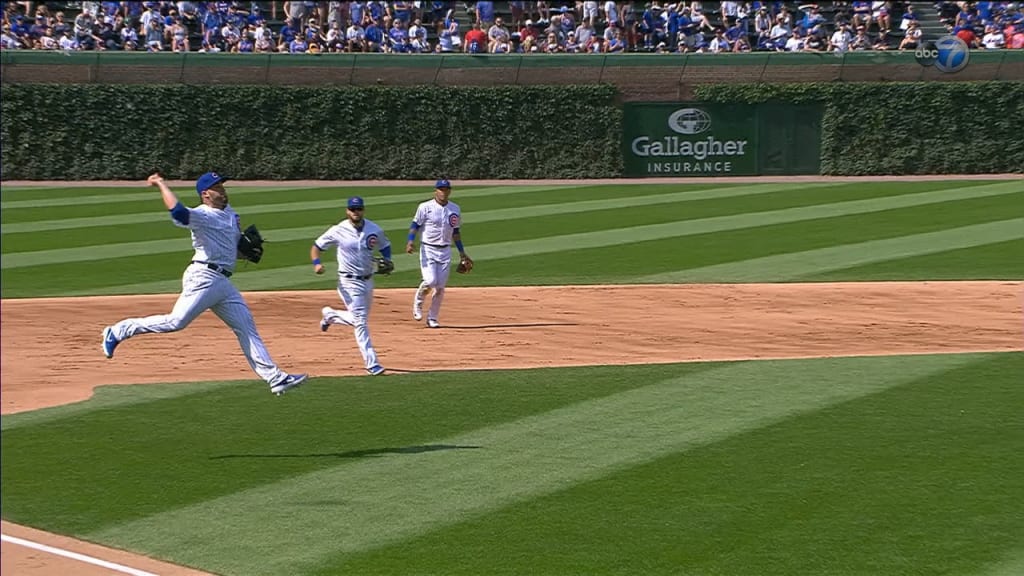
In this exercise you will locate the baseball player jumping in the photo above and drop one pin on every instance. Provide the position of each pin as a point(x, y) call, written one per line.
point(439, 219)
point(216, 229)
point(356, 238)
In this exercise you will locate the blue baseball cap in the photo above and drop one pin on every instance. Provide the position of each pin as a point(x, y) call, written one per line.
point(355, 202)
point(209, 180)
point(443, 183)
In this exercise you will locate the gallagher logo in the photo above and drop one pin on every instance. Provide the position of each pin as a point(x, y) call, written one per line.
point(689, 121)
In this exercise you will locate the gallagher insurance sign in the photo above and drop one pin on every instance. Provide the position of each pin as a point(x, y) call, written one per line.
point(689, 139)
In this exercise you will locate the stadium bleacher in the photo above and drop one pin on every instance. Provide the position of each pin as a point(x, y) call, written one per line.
point(834, 11)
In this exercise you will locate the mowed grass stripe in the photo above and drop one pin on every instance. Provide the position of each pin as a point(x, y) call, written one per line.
point(107, 397)
point(1013, 565)
point(149, 247)
point(292, 218)
point(546, 210)
point(53, 199)
point(380, 501)
point(158, 214)
point(87, 196)
point(858, 479)
point(624, 263)
point(292, 276)
point(71, 196)
point(28, 198)
point(997, 261)
point(796, 265)
point(71, 193)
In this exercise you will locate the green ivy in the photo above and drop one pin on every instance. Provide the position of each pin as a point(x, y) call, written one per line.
point(61, 131)
point(82, 132)
point(905, 128)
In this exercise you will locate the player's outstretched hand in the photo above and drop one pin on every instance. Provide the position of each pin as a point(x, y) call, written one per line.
point(319, 269)
point(155, 179)
point(410, 247)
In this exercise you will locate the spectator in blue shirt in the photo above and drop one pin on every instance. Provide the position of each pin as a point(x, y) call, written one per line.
point(402, 10)
point(734, 32)
point(811, 18)
point(298, 45)
point(376, 10)
point(374, 37)
point(255, 16)
point(647, 25)
point(398, 37)
point(356, 10)
point(289, 31)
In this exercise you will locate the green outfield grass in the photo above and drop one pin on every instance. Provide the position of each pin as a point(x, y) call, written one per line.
point(121, 240)
point(900, 465)
point(896, 465)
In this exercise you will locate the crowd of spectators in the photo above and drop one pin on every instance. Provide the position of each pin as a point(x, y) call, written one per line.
point(988, 25)
point(575, 26)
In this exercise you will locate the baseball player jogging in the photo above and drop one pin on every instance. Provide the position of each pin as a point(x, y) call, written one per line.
point(439, 219)
point(355, 238)
point(216, 230)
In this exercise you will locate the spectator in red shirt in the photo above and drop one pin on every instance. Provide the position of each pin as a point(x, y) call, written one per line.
point(969, 37)
point(1016, 40)
point(528, 37)
point(476, 40)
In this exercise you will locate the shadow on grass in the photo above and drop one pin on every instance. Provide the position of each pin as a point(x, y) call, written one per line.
point(356, 453)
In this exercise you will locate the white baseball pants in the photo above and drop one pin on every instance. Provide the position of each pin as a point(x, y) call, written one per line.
point(204, 289)
point(358, 298)
point(435, 265)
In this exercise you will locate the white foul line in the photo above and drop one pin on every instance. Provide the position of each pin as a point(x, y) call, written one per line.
point(75, 556)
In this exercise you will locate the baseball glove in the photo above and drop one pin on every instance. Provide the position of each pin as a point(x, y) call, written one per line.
point(384, 266)
point(465, 265)
point(250, 245)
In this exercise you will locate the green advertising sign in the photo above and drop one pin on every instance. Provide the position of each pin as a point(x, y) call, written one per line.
point(690, 139)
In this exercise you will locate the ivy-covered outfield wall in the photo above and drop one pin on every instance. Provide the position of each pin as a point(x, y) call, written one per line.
point(72, 132)
point(82, 132)
point(905, 128)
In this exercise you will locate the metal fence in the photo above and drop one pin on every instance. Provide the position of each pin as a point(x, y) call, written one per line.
point(638, 76)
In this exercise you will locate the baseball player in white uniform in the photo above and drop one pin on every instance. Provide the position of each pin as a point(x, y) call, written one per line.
point(439, 220)
point(355, 238)
point(216, 229)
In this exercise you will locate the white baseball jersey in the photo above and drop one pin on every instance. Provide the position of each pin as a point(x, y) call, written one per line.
point(215, 234)
point(437, 222)
point(355, 247)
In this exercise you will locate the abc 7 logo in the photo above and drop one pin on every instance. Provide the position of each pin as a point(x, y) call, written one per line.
point(948, 54)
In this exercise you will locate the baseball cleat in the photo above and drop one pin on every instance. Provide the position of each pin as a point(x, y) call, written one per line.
point(375, 370)
point(323, 321)
point(290, 381)
point(109, 342)
point(417, 312)
point(431, 323)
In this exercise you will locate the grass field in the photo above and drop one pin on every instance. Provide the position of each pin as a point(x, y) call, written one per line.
point(121, 241)
point(838, 466)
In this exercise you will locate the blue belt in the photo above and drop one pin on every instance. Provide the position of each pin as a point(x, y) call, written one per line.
point(227, 273)
point(437, 245)
point(356, 277)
